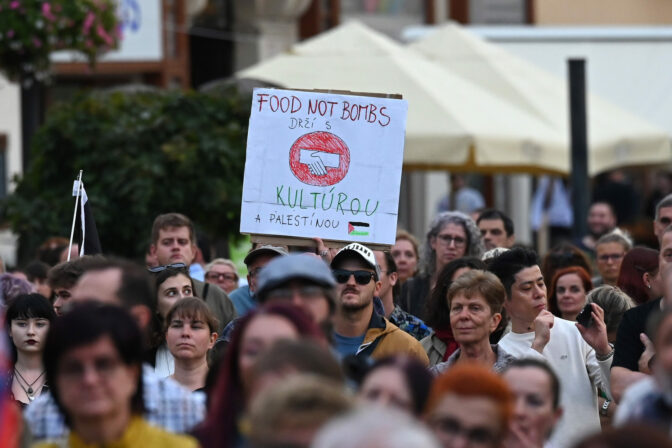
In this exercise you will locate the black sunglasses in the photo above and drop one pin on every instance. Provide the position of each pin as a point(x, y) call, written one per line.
point(156, 269)
point(361, 277)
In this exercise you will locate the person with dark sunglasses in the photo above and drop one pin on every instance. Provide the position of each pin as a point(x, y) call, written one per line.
point(358, 330)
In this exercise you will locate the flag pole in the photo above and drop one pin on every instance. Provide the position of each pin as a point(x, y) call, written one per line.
point(74, 218)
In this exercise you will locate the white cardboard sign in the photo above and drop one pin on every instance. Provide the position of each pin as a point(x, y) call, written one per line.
point(323, 165)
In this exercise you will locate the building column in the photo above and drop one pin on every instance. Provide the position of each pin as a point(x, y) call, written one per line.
point(265, 28)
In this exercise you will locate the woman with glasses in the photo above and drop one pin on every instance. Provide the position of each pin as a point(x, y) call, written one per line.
point(191, 331)
point(93, 359)
point(223, 273)
point(172, 284)
point(452, 235)
point(609, 252)
point(28, 319)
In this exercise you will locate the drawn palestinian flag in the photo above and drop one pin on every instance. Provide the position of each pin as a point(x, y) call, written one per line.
point(358, 228)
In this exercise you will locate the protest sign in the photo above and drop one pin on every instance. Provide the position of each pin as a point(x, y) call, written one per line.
point(323, 165)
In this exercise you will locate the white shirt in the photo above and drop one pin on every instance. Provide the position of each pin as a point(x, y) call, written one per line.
point(573, 360)
point(164, 364)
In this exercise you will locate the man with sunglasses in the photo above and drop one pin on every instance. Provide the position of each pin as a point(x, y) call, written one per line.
point(358, 329)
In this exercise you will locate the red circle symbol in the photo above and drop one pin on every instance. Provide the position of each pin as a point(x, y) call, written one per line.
point(319, 158)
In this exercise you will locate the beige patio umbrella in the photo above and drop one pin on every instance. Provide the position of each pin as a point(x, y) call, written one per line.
point(452, 122)
point(615, 137)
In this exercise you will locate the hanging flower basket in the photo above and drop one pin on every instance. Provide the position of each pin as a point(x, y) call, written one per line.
point(30, 30)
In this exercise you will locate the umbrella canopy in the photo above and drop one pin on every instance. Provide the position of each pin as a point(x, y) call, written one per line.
point(452, 123)
point(615, 137)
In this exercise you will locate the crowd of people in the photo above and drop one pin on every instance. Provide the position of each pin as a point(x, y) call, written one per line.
point(466, 340)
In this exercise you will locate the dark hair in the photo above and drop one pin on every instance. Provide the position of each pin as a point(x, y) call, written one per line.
point(170, 220)
point(636, 262)
point(494, 214)
point(523, 363)
point(193, 308)
point(605, 203)
point(167, 273)
point(135, 284)
point(511, 262)
point(389, 260)
point(562, 256)
point(220, 427)
point(436, 308)
point(553, 296)
point(66, 274)
point(85, 324)
point(417, 378)
point(35, 270)
point(28, 306)
point(50, 250)
point(391, 268)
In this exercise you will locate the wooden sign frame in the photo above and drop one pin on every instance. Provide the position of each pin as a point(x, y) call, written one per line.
point(279, 240)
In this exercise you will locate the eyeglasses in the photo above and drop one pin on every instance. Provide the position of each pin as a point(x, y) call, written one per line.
point(477, 436)
point(104, 366)
point(447, 239)
point(157, 269)
point(607, 257)
point(361, 277)
point(220, 276)
point(304, 292)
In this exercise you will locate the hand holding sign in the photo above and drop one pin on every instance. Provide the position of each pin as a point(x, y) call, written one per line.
point(318, 161)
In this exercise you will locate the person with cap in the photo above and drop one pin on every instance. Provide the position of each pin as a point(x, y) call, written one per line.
point(303, 280)
point(358, 329)
point(243, 298)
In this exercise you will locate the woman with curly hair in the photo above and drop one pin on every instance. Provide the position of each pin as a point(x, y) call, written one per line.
point(452, 235)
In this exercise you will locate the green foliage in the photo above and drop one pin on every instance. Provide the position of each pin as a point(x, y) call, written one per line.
point(30, 30)
point(142, 154)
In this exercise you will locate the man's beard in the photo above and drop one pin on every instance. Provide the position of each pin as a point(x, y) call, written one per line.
point(353, 307)
point(597, 235)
